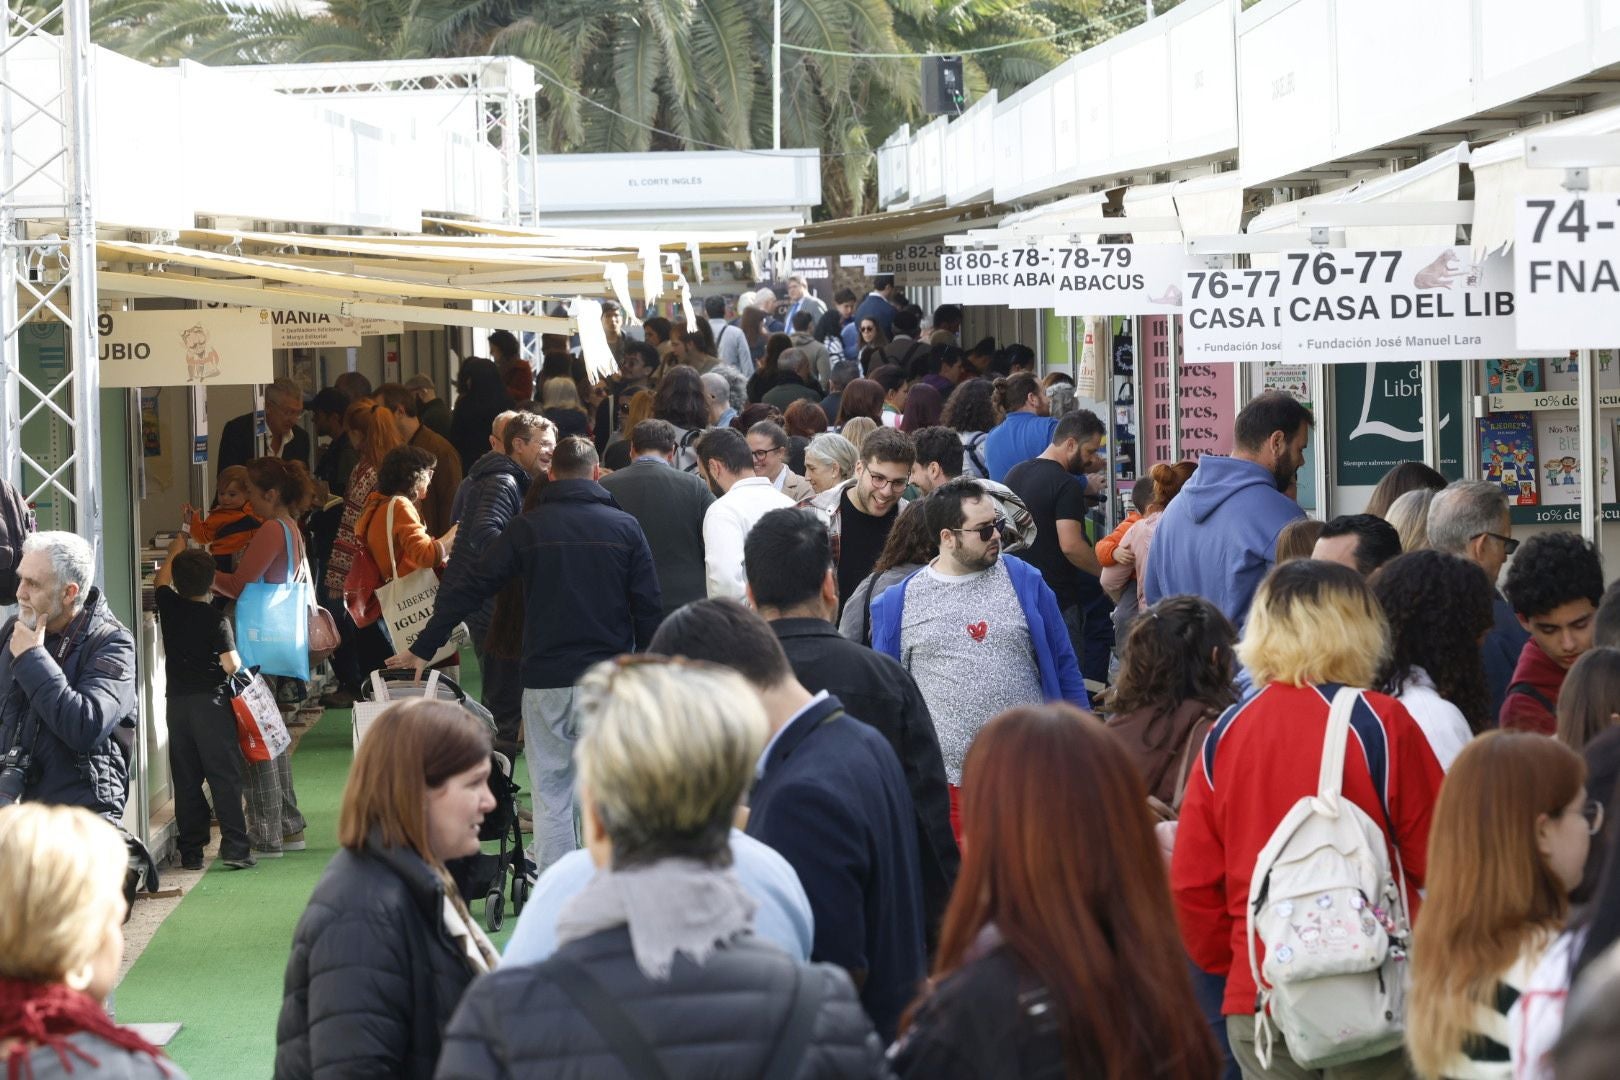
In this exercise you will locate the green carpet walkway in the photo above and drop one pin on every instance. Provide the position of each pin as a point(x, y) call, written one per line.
point(216, 964)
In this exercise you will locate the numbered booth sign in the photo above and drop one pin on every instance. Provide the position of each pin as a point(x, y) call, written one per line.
point(1336, 306)
point(227, 346)
point(1567, 272)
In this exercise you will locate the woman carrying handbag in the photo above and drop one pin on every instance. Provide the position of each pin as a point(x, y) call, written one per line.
point(278, 491)
point(404, 551)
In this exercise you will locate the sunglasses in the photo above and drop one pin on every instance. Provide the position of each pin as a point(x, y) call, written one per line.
point(868, 328)
point(1509, 545)
point(985, 531)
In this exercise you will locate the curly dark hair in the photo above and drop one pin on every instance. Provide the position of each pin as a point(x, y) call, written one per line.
point(971, 407)
point(1551, 570)
point(1438, 606)
point(1180, 649)
point(399, 469)
point(680, 399)
point(910, 541)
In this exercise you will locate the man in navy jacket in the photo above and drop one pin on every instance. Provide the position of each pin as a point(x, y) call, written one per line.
point(831, 799)
point(591, 593)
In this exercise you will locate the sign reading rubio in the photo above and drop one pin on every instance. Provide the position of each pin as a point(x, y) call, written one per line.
point(1071, 279)
point(172, 348)
point(1335, 307)
point(1567, 272)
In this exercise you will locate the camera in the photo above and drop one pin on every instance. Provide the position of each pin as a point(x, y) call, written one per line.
point(13, 776)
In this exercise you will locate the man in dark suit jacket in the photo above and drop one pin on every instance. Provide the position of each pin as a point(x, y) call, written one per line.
point(283, 405)
point(670, 505)
point(831, 799)
point(793, 585)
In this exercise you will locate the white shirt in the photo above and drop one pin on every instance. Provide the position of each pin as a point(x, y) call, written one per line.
point(1442, 722)
point(725, 527)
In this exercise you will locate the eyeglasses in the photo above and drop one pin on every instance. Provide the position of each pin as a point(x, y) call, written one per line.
point(868, 328)
point(761, 455)
point(1509, 545)
point(985, 531)
point(1592, 811)
point(879, 481)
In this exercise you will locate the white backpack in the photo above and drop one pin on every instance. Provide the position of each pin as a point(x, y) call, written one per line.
point(1333, 919)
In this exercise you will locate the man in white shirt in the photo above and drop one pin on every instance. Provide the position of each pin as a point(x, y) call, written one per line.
point(742, 498)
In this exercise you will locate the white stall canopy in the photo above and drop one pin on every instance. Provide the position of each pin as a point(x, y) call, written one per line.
point(1501, 177)
point(1427, 192)
point(1324, 84)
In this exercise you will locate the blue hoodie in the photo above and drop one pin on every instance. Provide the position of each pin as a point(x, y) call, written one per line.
point(1219, 535)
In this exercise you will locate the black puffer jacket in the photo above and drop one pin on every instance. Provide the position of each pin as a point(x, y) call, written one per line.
point(373, 976)
point(494, 496)
point(72, 703)
point(715, 1022)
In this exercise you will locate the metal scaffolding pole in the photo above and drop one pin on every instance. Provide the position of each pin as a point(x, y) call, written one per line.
point(44, 277)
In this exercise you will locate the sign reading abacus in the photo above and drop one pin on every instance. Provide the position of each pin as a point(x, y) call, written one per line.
point(1071, 279)
point(1339, 307)
point(1567, 271)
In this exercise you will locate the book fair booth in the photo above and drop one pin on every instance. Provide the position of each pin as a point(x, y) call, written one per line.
point(1403, 214)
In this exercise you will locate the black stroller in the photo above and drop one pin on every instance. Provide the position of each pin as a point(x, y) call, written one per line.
point(487, 873)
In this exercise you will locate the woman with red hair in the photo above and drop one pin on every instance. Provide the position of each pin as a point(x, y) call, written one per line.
point(1059, 954)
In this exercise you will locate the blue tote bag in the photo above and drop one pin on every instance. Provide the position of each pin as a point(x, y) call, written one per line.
point(272, 621)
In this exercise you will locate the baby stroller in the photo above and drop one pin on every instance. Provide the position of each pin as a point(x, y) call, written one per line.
point(487, 873)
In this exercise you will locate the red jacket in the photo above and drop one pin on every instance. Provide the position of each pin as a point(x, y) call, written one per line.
point(1521, 711)
point(1258, 761)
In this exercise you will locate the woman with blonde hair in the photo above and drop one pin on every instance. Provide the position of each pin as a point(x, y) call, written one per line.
point(386, 947)
point(1314, 627)
point(62, 912)
point(559, 403)
point(1410, 515)
point(1508, 842)
point(658, 971)
point(856, 430)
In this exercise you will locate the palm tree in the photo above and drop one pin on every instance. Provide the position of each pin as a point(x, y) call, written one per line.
point(631, 75)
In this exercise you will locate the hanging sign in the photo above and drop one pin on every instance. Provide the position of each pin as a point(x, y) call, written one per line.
point(292, 329)
point(1567, 271)
point(867, 264)
point(982, 277)
point(1337, 306)
point(1118, 279)
point(226, 346)
point(915, 264)
point(377, 327)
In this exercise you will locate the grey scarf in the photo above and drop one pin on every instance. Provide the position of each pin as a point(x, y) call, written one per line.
point(675, 905)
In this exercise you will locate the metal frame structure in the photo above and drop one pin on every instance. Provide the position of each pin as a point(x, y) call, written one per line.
point(43, 274)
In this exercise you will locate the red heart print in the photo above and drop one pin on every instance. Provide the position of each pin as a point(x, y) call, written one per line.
point(978, 630)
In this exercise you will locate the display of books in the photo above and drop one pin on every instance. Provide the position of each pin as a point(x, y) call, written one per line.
point(1507, 454)
point(1513, 376)
point(1563, 372)
point(1558, 446)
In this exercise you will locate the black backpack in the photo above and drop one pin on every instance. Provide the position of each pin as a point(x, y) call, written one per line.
point(16, 523)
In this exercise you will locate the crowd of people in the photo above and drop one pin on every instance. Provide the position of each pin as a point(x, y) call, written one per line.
point(856, 746)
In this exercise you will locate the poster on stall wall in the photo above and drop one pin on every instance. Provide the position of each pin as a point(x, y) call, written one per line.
point(1558, 449)
point(1564, 372)
point(1507, 455)
point(227, 346)
point(1089, 381)
point(1337, 306)
point(1295, 380)
point(1378, 419)
point(1204, 407)
point(199, 425)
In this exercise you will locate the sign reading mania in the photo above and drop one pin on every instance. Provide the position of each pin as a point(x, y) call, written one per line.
point(1335, 306)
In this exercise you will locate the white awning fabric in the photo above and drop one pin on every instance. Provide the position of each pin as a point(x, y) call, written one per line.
point(1501, 178)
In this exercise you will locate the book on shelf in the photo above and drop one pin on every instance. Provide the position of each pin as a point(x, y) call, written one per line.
point(1558, 446)
point(1564, 372)
point(1514, 376)
point(1507, 455)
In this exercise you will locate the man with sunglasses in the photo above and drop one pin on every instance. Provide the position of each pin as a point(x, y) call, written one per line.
point(1469, 519)
point(980, 634)
point(860, 512)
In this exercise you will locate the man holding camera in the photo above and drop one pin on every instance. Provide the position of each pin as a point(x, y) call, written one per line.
point(67, 684)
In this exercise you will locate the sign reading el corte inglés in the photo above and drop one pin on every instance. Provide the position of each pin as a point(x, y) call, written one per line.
point(227, 346)
point(1567, 271)
point(1335, 306)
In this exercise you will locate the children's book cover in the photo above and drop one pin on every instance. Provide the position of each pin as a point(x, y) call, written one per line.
point(1514, 376)
point(1507, 454)
point(1558, 447)
point(1563, 372)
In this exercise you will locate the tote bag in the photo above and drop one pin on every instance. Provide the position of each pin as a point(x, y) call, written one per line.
point(272, 621)
point(407, 602)
point(260, 730)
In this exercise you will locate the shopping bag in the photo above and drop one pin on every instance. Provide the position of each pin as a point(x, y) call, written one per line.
point(406, 603)
point(272, 623)
point(260, 730)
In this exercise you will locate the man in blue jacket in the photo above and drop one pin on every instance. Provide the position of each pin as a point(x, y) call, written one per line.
point(590, 593)
point(831, 798)
point(879, 306)
point(980, 634)
point(1218, 538)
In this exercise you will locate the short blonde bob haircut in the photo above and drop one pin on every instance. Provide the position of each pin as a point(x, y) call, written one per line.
point(61, 884)
point(1314, 622)
point(666, 749)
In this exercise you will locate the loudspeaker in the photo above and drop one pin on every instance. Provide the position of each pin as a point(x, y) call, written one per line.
point(943, 90)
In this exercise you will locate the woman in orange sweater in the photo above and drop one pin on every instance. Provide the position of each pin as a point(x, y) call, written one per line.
point(401, 482)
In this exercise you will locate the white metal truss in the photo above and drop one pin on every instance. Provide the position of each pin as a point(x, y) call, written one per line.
point(47, 260)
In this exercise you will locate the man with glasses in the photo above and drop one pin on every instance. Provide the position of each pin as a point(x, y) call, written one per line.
point(980, 634)
point(283, 406)
point(1470, 519)
point(860, 512)
point(768, 445)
